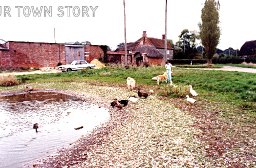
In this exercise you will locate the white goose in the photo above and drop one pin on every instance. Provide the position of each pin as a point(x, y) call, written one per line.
point(190, 100)
point(133, 99)
point(192, 91)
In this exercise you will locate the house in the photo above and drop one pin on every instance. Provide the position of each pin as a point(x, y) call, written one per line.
point(145, 50)
point(248, 49)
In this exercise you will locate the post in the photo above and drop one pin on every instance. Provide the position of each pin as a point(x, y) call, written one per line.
point(125, 42)
point(54, 35)
point(165, 40)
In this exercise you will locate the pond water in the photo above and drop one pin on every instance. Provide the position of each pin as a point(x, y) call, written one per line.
point(58, 116)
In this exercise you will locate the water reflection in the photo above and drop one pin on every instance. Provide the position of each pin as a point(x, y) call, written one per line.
point(57, 116)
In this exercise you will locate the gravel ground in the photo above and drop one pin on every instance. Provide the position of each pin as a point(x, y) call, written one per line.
point(148, 133)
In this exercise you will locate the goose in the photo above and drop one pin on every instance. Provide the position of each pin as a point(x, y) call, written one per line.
point(133, 99)
point(192, 91)
point(190, 100)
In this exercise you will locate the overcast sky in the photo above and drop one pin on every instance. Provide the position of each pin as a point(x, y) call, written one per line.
point(101, 21)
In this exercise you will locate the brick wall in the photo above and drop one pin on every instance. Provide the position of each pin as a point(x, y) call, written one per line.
point(5, 59)
point(93, 52)
point(32, 55)
point(154, 61)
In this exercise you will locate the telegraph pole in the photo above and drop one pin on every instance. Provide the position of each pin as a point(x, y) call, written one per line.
point(165, 40)
point(125, 42)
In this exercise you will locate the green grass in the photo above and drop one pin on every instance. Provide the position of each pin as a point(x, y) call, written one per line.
point(236, 88)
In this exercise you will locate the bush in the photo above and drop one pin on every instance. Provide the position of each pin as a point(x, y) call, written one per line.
point(9, 80)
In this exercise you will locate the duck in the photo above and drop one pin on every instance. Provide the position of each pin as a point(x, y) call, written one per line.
point(117, 104)
point(192, 91)
point(35, 126)
point(190, 100)
point(133, 99)
point(142, 94)
point(123, 102)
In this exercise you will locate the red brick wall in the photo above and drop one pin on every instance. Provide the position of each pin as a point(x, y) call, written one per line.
point(154, 61)
point(32, 55)
point(95, 52)
point(5, 61)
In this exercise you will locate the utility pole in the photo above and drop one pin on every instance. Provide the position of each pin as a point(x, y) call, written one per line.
point(125, 42)
point(54, 35)
point(165, 40)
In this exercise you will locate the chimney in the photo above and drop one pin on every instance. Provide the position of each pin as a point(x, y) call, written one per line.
point(144, 34)
point(163, 37)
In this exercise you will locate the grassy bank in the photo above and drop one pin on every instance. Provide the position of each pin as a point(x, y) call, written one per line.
point(236, 88)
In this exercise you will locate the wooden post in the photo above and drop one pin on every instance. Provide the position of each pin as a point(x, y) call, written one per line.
point(125, 42)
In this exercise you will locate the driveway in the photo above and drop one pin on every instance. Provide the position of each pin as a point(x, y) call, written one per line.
point(232, 68)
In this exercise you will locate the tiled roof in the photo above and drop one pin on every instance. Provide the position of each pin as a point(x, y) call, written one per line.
point(115, 52)
point(159, 43)
point(150, 50)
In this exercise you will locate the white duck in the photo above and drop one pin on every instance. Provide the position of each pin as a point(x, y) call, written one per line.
point(192, 91)
point(190, 100)
point(133, 99)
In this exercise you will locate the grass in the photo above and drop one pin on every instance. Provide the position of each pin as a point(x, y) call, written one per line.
point(232, 87)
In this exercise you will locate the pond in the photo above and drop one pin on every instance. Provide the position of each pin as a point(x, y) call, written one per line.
point(62, 119)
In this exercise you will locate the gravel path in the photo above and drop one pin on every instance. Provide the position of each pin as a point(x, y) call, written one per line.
point(232, 68)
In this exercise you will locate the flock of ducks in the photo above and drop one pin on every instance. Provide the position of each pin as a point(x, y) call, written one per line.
point(122, 103)
point(193, 93)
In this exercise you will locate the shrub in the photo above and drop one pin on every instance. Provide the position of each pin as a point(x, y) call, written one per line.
point(9, 80)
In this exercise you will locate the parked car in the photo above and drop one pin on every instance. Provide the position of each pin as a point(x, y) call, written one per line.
point(76, 65)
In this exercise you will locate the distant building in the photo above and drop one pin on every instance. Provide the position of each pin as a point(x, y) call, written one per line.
point(248, 49)
point(20, 54)
point(145, 50)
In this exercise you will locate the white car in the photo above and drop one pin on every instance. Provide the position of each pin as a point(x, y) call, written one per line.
point(76, 65)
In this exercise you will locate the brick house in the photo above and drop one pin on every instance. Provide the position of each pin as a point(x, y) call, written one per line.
point(144, 50)
point(15, 54)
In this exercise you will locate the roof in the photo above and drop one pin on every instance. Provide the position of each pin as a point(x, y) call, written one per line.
point(150, 50)
point(115, 52)
point(159, 43)
point(248, 48)
point(3, 47)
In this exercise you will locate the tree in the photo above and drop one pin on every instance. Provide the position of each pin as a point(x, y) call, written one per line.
point(187, 41)
point(209, 28)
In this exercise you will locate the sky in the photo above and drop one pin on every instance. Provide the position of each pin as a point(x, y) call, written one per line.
point(102, 22)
